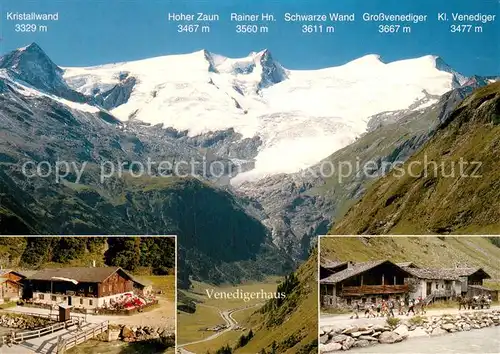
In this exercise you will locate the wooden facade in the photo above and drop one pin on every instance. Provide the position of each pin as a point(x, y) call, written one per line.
point(79, 287)
point(10, 290)
point(372, 281)
point(368, 282)
point(373, 289)
point(477, 277)
point(383, 274)
point(470, 277)
point(11, 287)
point(115, 284)
point(64, 288)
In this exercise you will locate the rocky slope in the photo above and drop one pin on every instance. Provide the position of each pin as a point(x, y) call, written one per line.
point(218, 240)
point(461, 195)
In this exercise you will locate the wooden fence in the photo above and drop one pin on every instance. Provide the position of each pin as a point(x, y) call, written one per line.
point(19, 337)
point(83, 336)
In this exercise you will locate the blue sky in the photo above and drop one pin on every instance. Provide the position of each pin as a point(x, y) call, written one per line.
point(92, 32)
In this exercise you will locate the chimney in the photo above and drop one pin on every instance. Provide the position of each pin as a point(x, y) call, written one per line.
point(93, 263)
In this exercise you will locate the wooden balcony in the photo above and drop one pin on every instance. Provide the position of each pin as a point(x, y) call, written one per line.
point(374, 289)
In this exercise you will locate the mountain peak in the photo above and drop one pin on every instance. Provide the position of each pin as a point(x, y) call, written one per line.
point(262, 53)
point(33, 47)
point(209, 58)
point(30, 56)
point(458, 79)
point(33, 66)
point(368, 59)
point(272, 71)
point(440, 63)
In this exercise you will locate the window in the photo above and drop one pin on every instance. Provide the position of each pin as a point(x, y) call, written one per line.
point(91, 302)
point(53, 298)
point(437, 286)
point(91, 290)
point(40, 296)
point(81, 301)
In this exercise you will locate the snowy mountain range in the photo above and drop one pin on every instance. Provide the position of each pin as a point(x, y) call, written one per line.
point(298, 117)
point(248, 111)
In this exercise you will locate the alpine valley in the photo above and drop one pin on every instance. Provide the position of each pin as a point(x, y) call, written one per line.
point(268, 130)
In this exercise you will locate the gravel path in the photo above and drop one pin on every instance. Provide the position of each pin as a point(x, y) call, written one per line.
point(342, 320)
point(162, 316)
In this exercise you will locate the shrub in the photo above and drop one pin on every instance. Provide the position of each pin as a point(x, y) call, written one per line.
point(416, 320)
point(393, 321)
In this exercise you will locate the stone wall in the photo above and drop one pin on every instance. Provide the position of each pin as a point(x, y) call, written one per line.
point(344, 338)
point(16, 321)
point(139, 334)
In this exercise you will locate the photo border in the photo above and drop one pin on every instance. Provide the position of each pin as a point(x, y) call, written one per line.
point(132, 235)
point(372, 236)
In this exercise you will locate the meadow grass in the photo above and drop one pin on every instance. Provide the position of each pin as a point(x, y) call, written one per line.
point(191, 326)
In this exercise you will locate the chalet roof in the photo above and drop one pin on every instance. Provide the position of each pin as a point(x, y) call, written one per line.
point(142, 282)
point(355, 269)
point(444, 273)
point(432, 273)
point(407, 264)
point(3, 272)
point(26, 273)
point(80, 274)
point(332, 264)
point(465, 272)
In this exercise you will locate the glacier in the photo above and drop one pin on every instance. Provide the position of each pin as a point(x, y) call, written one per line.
point(301, 116)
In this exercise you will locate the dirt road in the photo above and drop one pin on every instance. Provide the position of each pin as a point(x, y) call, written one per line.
point(227, 316)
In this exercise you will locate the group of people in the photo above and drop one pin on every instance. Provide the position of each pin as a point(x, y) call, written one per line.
point(387, 308)
point(476, 302)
